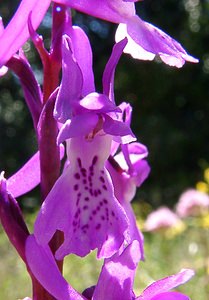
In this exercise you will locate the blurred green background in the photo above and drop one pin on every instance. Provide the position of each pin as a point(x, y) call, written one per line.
point(170, 116)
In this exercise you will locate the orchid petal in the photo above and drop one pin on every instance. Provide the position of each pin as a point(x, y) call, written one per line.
point(28, 177)
point(166, 284)
point(109, 72)
point(71, 85)
point(170, 296)
point(16, 33)
point(83, 56)
point(134, 153)
point(118, 129)
point(115, 11)
point(126, 112)
point(154, 41)
point(132, 48)
point(82, 203)
point(44, 268)
point(117, 275)
point(99, 103)
point(80, 125)
point(125, 189)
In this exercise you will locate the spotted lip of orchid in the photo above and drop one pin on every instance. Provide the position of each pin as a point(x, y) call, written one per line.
point(82, 203)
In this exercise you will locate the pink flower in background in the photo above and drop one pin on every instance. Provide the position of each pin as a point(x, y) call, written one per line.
point(162, 218)
point(192, 203)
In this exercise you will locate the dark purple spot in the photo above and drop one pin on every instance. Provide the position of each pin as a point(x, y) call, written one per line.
point(105, 201)
point(86, 199)
point(102, 179)
point(83, 171)
point(98, 208)
point(77, 176)
point(95, 193)
point(86, 188)
point(84, 181)
point(104, 187)
point(98, 226)
point(101, 203)
point(94, 212)
point(99, 192)
point(85, 207)
point(84, 227)
point(77, 213)
point(79, 162)
point(76, 186)
point(94, 160)
point(103, 218)
point(91, 168)
point(113, 214)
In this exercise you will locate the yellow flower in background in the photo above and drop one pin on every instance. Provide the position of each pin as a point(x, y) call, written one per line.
point(202, 187)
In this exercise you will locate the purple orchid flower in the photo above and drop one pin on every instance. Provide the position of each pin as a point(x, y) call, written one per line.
point(128, 170)
point(115, 280)
point(144, 40)
point(88, 212)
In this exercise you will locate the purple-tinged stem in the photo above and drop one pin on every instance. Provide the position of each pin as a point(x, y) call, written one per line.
point(48, 129)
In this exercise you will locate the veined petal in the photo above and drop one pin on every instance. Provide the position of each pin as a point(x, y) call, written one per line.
point(16, 33)
point(83, 56)
point(155, 41)
point(71, 85)
point(82, 203)
point(115, 11)
point(117, 275)
point(44, 268)
point(164, 285)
